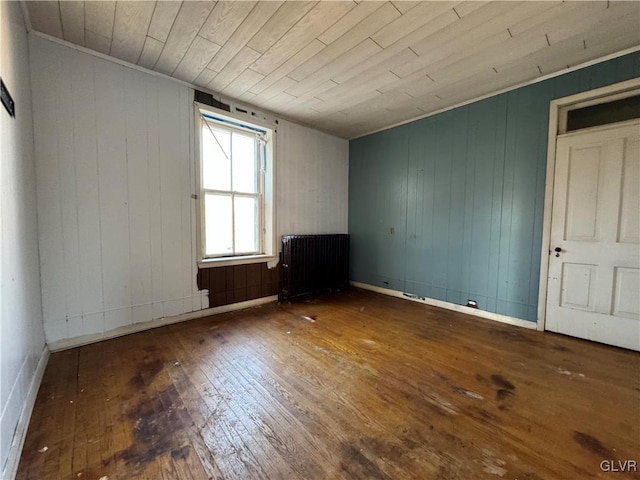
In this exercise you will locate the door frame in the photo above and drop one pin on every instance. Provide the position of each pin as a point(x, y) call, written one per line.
point(558, 109)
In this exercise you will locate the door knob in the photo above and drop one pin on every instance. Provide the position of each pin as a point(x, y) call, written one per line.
point(557, 250)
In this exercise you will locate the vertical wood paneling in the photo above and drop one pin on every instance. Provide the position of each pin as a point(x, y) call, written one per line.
point(496, 214)
point(115, 176)
point(474, 198)
point(457, 197)
point(138, 179)
point(155, 195)
point(114, 179)
point(483, 156)
point(237, 283)
point(189, 270)
point(441, 149)
point(88, 193)
point(114, 198)
point(170, 174)
point(200, 302)
point(428, 201)
point(48, 184)
point(546, 91)
point(68, 194)
point(311, 181)
point(523, 200)
point(21, 333)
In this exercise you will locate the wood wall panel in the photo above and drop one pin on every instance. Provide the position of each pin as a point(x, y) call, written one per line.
point(115, 169)
point(114, 180)
point(463, 192)
point(22, 342)
point(237, 283)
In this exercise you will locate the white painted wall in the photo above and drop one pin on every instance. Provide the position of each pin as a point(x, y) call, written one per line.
point(113, 183)
point(21, 334)
point(312, 181)
point(115, 178)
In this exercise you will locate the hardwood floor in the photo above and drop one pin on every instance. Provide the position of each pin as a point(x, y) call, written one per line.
point(354, 385)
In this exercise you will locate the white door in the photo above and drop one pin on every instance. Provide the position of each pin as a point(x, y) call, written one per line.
point(594, 263)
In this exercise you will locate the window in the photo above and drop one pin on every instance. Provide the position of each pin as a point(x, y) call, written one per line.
point(236, 188)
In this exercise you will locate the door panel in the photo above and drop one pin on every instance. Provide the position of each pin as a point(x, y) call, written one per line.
point(630, 194)
point(593, 285)
point(583, 180)
point(578, 286)
point(627, 285)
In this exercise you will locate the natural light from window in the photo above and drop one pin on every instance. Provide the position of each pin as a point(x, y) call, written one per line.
point(232, 183)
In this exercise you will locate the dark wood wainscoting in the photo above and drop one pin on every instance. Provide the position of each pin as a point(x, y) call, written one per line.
point(237, 283)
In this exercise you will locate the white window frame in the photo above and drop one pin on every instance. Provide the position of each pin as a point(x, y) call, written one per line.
point(266, 191)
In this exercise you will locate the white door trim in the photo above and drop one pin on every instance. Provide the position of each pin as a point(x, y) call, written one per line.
point(556, 109)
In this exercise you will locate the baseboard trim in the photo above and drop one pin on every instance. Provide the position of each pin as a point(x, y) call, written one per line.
point(159, 322)
point(15, 451)
point(450, 306)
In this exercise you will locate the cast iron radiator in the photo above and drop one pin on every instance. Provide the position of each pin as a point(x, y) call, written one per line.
point(312, 263)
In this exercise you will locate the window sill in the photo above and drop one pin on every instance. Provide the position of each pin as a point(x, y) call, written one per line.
point(227, 261)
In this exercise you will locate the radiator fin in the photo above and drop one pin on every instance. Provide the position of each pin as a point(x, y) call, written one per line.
point(313, 263)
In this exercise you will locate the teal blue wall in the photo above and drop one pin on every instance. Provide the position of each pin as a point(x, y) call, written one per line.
point(464, 192)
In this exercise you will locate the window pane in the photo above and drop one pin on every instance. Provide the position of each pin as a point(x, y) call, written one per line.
point(246, 224)
point(244, 163)
point(219, 240)
point(216, 161)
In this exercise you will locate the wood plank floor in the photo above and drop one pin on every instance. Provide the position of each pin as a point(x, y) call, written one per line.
point(354, 385)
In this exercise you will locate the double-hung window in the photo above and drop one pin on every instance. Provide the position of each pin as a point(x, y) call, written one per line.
point(236, 188)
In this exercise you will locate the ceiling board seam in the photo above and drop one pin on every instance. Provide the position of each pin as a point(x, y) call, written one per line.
point(60, 15)
point(285, 33)
point(113, 25)
point(382, 48)
point(25, 15)
point(190, 44)
point(548, 76)
point(146, 34)
point(246, 43)
point(172, 24)
point(154, 38)
point(288, 30)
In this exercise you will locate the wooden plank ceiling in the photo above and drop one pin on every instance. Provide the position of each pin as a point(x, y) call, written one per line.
point(347, 67)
